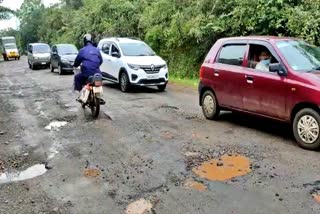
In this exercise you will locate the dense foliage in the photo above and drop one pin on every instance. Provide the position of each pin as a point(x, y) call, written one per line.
point(182, 31)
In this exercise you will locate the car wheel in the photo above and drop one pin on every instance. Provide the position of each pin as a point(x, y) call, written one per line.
point(51, 68)
point(162, 87)
point(306, 129)
point(210, 107)
point(124, 82)
point(60, 70)
point(32, 66)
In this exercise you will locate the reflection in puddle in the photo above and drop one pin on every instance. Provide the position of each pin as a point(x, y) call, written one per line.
point(29, 173)
point(195, 185)
point(229, 167)
point(55, 125)
point(139, 207)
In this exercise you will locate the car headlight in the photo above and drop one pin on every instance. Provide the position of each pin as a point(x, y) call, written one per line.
point(134, 67)
point(64, 61)
point(36, 58)
point(165, 66)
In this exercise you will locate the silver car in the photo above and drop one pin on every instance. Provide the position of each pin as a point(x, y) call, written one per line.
point(38, 55)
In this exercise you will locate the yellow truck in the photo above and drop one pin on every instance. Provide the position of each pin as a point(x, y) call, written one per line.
point(9, 48)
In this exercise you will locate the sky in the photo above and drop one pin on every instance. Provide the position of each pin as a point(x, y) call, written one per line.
point(14, 5)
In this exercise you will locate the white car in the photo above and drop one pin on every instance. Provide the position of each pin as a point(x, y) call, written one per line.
point(132, 62)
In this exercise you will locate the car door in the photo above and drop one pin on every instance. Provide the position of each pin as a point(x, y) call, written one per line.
point(106, 65)
point(228, 72)
point(264, 92)
point(115, 64)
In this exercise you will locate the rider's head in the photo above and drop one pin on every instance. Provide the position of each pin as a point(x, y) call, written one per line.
point(87, 39)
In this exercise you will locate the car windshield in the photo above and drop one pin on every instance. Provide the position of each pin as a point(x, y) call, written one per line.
point(300, 55)
point(136, 49)
point(10, 46)
point(67, 50)
point(41, 49)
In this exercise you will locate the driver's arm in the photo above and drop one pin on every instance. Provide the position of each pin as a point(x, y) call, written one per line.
point(79, 59)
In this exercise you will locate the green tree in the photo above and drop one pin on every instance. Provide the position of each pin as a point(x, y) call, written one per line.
point(5, 12)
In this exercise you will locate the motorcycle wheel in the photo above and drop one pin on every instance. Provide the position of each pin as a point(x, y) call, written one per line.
point(95, 107)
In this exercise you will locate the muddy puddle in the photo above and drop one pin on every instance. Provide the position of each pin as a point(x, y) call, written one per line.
point(190, 184)
point(139, 207)
point(92, 172)
point(225, 168)
point(31, 172)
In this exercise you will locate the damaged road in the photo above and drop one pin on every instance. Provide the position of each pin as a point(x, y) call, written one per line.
point(149, 152)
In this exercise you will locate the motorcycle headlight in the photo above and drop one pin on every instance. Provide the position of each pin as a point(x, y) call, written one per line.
point(134, 67)
point(64, 61)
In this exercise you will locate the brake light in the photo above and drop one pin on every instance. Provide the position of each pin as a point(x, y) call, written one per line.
point(97, 83)
point(201, 73)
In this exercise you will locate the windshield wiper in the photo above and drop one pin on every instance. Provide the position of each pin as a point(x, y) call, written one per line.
point(317, 68)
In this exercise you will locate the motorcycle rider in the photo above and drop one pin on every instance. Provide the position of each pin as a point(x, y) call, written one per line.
point(91, 59)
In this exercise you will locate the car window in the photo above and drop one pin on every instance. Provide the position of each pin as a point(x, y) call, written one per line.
point(67, 50)
point(54, 49)
point(114, 49)
point(300, 55)
point(41, 49)
point(106, 48)
point(260, 58)
point(232, 54)
point(136, 49)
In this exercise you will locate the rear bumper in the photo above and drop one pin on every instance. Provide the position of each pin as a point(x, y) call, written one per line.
point(200, 87)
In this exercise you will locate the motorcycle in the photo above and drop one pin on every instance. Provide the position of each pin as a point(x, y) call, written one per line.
point(91, 93)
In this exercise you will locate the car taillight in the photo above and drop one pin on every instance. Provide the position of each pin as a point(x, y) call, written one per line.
point(201, 73)
point(98, 83)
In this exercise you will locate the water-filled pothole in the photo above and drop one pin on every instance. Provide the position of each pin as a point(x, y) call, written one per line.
point(228, 167)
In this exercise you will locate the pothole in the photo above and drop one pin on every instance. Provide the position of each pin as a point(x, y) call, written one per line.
point(190, 184)
point(92, 172)
point(56, 125)
point(225, 168)
point(31, 172)
point(139, 207)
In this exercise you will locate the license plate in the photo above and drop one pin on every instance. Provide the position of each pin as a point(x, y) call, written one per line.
point(98, 90)
point(153, 76)
point(43, 63)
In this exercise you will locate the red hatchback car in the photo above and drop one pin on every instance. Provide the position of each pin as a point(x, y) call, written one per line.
point(273, 77)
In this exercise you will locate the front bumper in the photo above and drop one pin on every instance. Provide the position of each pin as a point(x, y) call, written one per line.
point(13, 55)
point(44, 62)
point(141, 78)
point(66, 66)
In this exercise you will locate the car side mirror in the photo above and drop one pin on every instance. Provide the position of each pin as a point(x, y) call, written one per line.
point(115, 54)
point(278, 68)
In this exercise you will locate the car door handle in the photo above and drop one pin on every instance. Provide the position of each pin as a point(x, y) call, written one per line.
point(216, 73)
point(249, 79)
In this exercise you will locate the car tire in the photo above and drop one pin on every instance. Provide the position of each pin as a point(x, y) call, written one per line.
point(60, 70)
point(32, 66)
point(210, 106)
point(51, 68)
point(162, 88)
point(29, 64)
point(124, 82)
point(306, 129)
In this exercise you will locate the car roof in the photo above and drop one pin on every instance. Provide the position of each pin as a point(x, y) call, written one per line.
point(121, 40)
point(38, 44)
point(260, 38)
point(64, 45)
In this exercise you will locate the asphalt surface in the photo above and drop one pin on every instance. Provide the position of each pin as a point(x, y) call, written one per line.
point(145, 146)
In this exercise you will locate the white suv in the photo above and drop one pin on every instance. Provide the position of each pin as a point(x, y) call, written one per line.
point(132, 62)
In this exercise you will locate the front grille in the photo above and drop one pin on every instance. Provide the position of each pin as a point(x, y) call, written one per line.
point(155, 81)
point(153, 69)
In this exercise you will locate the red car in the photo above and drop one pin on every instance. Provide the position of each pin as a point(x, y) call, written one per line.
point(273, 77)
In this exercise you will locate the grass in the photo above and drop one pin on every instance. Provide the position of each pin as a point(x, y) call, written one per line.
point(184, 81)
